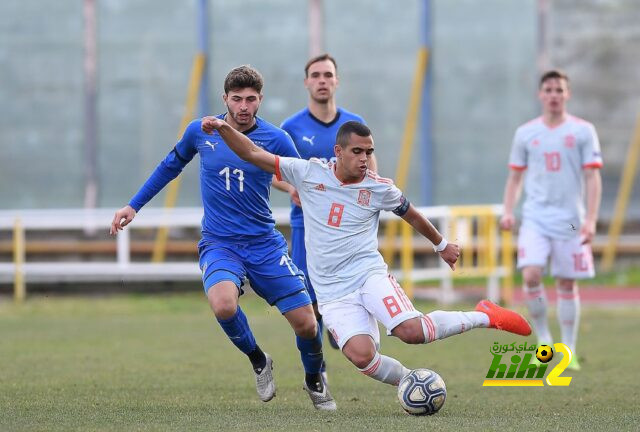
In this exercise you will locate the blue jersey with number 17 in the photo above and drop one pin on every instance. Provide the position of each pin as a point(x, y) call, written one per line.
point(235, 193)
point(314, 138)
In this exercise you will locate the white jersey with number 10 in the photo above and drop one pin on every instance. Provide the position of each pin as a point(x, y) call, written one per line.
point(341, 223)
point(554, 158)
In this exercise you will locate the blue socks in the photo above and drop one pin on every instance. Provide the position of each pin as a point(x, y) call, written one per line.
point(311, 353)
point(238, 331)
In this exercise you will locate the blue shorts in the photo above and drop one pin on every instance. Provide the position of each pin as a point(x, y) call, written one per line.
point(264, 261)
point(299, 257)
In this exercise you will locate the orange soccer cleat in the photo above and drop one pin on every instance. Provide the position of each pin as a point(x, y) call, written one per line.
point(504, 319)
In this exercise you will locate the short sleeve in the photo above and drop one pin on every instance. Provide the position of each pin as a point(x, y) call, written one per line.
point(590, 149)
point(392, 198)
point(291, 170)
point(518, 156)
point(284, 145)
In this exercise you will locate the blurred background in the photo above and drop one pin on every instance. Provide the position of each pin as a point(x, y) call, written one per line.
point(93, 92)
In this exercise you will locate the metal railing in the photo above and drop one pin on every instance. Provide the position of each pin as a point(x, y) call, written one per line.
point(474, 228)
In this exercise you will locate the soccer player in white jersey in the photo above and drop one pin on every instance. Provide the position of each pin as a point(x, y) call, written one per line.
point(555, 155)
point(342, 203)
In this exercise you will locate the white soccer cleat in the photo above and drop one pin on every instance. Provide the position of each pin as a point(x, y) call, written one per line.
point(265, 385)
point(321, 400)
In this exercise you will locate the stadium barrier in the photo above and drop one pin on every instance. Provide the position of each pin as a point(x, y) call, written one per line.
point(486, 252)
point(473, 227)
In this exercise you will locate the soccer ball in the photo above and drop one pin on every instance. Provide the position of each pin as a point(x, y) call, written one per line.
point(544, 353)
point(422, 392)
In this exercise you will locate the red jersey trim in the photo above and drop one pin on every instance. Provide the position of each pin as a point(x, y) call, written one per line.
point(278, 174)
point(372, 175)
point(593, 165)
point(517, 167)
point(333, 170)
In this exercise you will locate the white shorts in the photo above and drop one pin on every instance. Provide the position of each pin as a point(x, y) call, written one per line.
point(569, 258)
point(380, 298)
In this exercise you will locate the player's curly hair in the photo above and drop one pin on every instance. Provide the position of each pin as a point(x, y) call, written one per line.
point(345, 131)
point(243, 77)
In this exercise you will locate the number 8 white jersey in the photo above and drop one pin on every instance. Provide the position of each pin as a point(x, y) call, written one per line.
point(341, 223)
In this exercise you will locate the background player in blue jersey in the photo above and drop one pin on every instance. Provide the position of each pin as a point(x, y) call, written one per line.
point(239, 238)
point(313, 131)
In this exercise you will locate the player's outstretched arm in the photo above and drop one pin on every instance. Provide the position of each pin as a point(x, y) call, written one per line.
point(121, 219)
point(240, 144)
point(449, 253)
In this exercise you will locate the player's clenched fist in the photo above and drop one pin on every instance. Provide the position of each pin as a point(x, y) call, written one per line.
point(507, 221)
point(450, 254)
point(122, 218)
point(210, 123)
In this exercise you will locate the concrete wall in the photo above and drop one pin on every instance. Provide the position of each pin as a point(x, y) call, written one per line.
point(483, 67)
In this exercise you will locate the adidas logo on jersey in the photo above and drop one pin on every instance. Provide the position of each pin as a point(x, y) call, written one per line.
point(320, 188)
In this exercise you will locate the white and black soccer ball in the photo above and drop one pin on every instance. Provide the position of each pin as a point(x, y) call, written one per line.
point(422, 392)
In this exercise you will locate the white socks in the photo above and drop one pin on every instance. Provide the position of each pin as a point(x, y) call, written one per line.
point(385, 369)
point(442, 324)
point(569, 317)
point(537, 303)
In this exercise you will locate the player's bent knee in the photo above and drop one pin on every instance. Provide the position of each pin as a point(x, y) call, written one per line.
point(361, 359)
point(567, 285)
point(304, 325)
point(308, 329)
point(409, 332)
point(224, 307)
point(359, 352)
point(532, 276)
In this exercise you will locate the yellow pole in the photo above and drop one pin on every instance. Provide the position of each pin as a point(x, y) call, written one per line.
point(160, 244)
point(19, 286)
point(410, 126)
point(624, 192)
point(402, 169)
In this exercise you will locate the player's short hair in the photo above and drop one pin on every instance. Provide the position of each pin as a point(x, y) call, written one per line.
point(243, 77)
point(316, 59)
point(345, 131)
point(553, 74)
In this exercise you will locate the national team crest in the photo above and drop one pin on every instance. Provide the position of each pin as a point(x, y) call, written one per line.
point(569, 141)
point(364, 196)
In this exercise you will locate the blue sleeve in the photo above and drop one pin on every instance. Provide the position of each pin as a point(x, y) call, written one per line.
point(285, 146)
point(169, 168)
point(285, 126)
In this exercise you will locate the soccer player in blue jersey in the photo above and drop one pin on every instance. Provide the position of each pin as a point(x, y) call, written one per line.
point(239, 238)
point(313, 131)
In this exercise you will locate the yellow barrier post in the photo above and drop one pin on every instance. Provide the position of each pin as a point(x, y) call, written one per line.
point(624, 192)
point(160, 244)
point(402, 169)
point(19, 286)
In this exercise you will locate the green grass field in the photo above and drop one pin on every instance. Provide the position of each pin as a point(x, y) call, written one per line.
point(161, 362)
